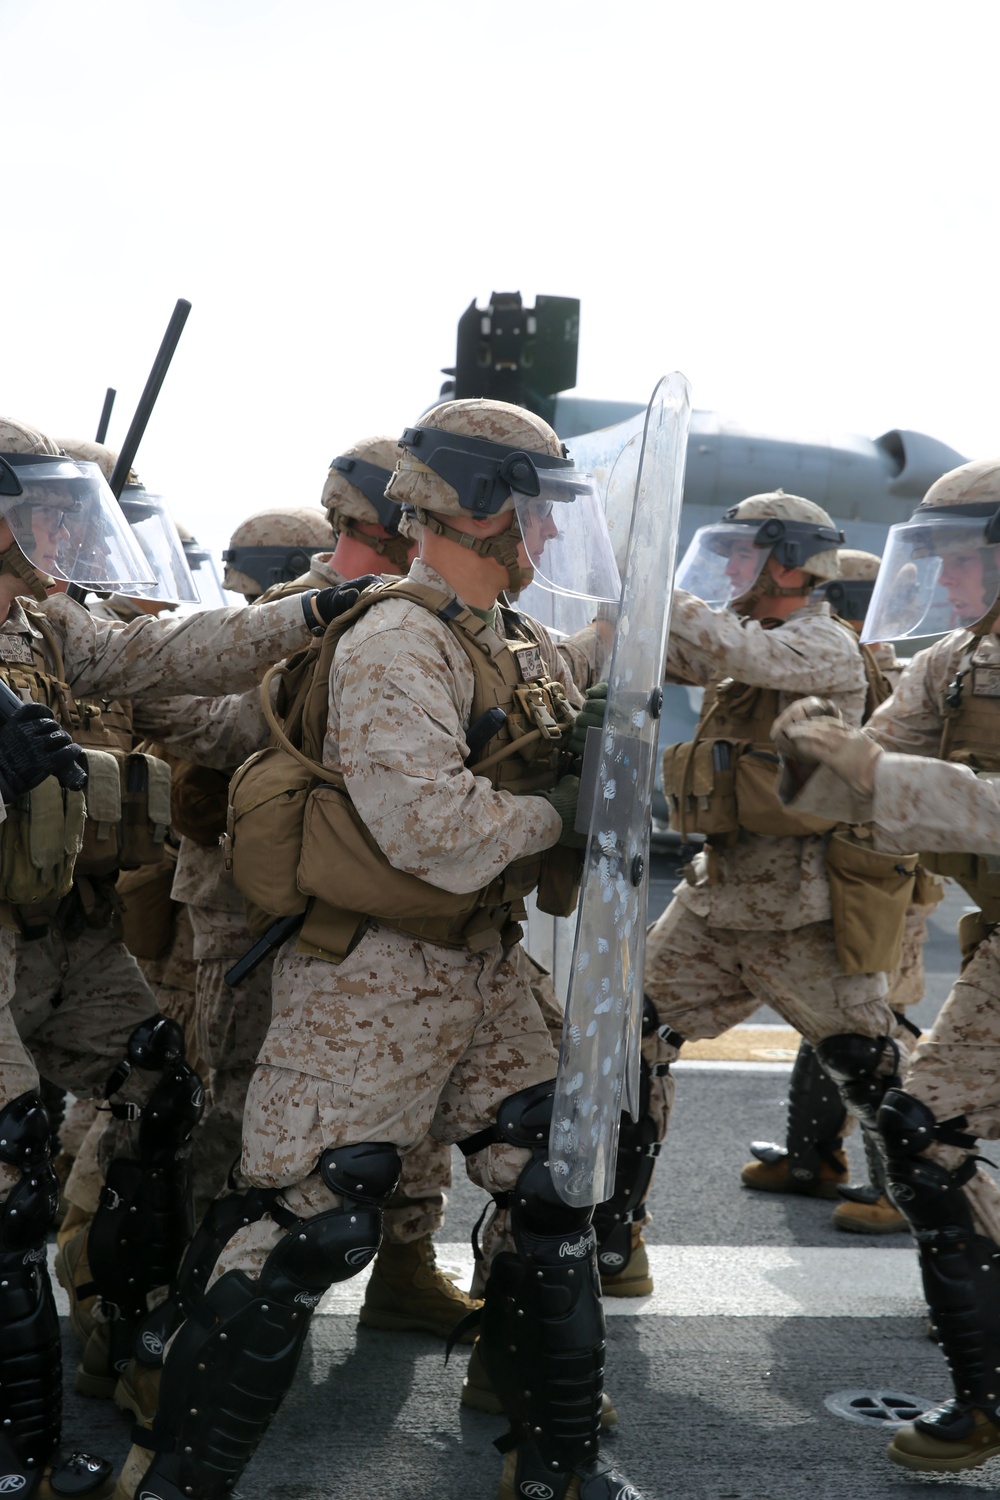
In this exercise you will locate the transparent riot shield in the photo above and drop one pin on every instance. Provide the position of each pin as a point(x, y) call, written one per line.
point(599, 1059)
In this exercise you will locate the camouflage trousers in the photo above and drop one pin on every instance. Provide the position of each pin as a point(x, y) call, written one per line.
point(956, 1071)
point(75, 1003)
point(231, 1026)
point(402, 1040)
point(704, 979)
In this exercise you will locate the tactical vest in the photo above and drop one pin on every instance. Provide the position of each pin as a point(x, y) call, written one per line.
point(295, 842)
point(970, 736)
point(127, 796)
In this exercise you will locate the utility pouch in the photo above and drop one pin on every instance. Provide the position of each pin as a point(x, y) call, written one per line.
point(559, 881)
point(869, 896)
point(145, 810)
point(102, 835)
point(199, 803)
point(148, 914)
point(40, 839)
point(264, 830)
point(757, 804)
point(699, 783)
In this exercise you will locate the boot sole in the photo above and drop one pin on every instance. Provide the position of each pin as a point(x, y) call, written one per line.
point(942, 1465)
point(612, 1288)
point(849, 1226)
point(397, 1323)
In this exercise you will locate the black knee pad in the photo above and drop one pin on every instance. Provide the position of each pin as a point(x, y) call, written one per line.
point(927, 1193)
point(30, 1207)
point(234, 1358)
point(855, 1062)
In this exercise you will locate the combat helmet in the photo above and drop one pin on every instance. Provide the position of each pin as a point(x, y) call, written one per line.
point(274, 546)
point(355, 491)
point(941, 569)
point(724, 563)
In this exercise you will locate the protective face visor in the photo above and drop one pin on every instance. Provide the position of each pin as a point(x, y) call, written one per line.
point(725, 560)
point(940, 572)
point(371, 480)
point(68, 523)
point(205, 574)
point(157, 535)
point(565, 535)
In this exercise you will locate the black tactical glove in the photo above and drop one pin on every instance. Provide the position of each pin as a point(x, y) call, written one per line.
point(590, 716)
point(327, 604)
point(32, 746)
point(564, 797)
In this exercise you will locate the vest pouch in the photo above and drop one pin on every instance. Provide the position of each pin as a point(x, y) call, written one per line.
point(869, 896)
point(758, 809)
point(700, 786)
point(344, 867)
point(101, 852)
point(559, 882)
point(40, 839)
point(148, 914)
point(267, 801)
point(145, 810)
point(199, 803)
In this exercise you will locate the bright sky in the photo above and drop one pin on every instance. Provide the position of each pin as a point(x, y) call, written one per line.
point(796, 204)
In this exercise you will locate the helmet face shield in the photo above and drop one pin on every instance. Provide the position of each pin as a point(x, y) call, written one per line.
point(566, 538)
point(722, 562)
point(154, 530)
point(67, 522)
point(939, 573)
point(205, 575)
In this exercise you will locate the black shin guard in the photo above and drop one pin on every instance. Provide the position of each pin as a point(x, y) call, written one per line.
point(224, 1217)
point(541, 1336)
point(638, 1147)
point(960, 1267)
point(815, 1130)
point(145, 1217)
point(857, 1064)
point(30, 1352)
point(235, 1356)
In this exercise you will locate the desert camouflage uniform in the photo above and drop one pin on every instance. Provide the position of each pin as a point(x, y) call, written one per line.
point(928, 802)
point(752, 925)
point(455, 1032)
point(85, 994)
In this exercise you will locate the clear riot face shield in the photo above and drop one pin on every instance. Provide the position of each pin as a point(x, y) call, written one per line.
point(67, 522)
point(565, 535)
point(723, 562)
point(940, 572)
point(154, 529)
point(205, 575)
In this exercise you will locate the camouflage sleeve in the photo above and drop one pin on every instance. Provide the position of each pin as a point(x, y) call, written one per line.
point(809, 654)
point(910, 721)
point(587, 654)
point(215, 651)
point(220, 732)
point(934, 805)
point(400, 698)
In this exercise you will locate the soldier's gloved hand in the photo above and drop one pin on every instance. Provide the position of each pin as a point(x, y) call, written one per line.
point(564, 797)
point(327, 604)
point(830, 742)
point(32, 746)
point(799, 712)
point(590, 716)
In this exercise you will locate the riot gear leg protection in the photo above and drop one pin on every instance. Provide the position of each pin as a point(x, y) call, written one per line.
point(146, 1213)
point(865, 1069)
point(234, 1358)
point(30, 1354)
point(541, 1337)
point(812, 1160)
point(638, 1147)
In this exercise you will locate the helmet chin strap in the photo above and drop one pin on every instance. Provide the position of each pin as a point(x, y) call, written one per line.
point(395, 548)
point(14, 561)
point(765, 587)
point(503, 547)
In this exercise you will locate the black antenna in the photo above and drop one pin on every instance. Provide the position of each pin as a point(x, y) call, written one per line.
point(102, 426)
point(143, 412)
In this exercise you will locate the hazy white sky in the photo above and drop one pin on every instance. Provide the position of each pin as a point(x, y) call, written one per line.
point(796, 204)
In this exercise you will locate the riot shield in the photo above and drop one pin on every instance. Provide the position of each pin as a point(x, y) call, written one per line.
point(599, 1058)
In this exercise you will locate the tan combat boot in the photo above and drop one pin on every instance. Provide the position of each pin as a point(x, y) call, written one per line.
point(478, 1393)
point(94, 1374)
point(73, 1269)
point(138, 1391)
point(975, 1439)
point(863, 1216)
point(409, 1293)
point(776, 1176)
point(635, 1278)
